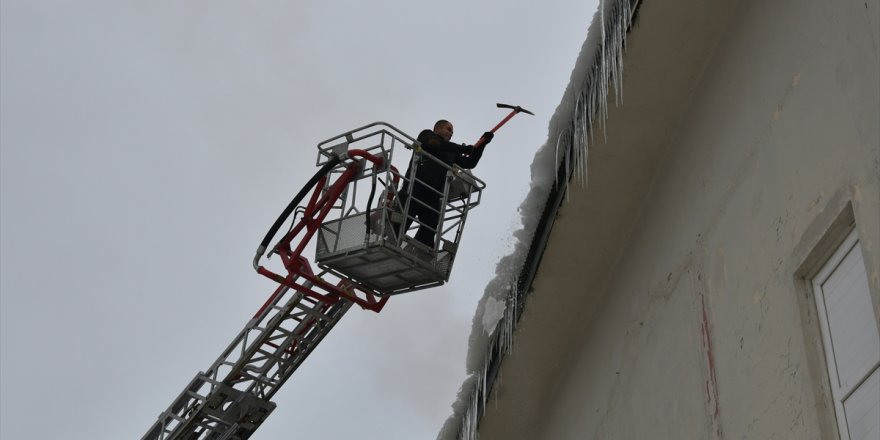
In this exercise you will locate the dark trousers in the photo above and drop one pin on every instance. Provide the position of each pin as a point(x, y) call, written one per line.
point(425, 205)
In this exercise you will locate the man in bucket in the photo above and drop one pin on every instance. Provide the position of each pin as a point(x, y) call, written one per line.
point(426, 185)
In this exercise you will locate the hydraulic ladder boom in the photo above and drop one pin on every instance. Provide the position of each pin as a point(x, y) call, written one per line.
point(362, 260)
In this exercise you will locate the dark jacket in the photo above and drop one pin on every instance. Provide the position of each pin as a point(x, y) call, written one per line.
point(447, 152)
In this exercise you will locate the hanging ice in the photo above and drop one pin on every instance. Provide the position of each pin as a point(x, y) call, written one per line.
point(564, 157)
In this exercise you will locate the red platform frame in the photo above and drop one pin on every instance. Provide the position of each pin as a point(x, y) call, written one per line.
point(298, 267)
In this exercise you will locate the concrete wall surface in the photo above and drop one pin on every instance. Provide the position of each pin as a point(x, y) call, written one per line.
point(703, 327)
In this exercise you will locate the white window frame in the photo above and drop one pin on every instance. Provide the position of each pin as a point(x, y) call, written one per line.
point(839, 394)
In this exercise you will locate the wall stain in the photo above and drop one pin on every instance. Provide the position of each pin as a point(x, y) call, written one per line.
point(711, 381)
point(785, 97)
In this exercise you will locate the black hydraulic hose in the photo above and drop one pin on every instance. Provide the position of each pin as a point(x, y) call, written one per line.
point(335, 160)
point(300, 210)
point(370, 202)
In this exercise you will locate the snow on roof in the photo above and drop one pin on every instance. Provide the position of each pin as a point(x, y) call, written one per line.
point(598, 70)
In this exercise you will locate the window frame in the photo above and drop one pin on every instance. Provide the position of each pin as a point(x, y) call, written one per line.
point(839, 395)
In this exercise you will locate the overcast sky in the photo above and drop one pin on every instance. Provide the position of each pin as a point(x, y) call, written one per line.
point(147, 147)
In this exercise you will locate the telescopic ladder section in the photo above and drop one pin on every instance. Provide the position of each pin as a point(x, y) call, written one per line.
point(232, 398)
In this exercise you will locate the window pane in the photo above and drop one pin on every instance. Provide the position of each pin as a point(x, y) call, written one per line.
point(862, 410)
point(851, 321)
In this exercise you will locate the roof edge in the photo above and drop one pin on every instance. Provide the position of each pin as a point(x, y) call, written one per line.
point(598, 70)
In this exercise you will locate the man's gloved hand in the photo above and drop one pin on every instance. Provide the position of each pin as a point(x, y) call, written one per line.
point(487, 137)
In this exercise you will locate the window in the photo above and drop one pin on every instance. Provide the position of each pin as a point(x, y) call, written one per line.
point(851, 341)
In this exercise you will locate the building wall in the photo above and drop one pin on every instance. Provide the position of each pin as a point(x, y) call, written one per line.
point(706, 328)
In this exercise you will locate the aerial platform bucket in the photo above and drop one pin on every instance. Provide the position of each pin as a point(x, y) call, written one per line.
point(365, 239)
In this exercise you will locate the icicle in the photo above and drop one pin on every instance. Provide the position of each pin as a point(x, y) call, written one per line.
point(602, 22)
point(585, 134)
point(586, 152)
point(509, 318)
point(615, 68)
point(565, 159)
point(556, 157)
point(484, 392)
point(605, 75)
